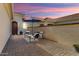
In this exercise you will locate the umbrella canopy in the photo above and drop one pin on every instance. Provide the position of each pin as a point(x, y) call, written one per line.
point(32, 20)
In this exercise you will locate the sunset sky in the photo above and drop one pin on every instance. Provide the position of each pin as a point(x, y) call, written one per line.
point(52, 10)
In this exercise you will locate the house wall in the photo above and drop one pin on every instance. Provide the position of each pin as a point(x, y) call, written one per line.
point(5, 24)
point(18, 19)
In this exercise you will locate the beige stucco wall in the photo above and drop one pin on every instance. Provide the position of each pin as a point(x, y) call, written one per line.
point(67, 35)
point(5, 25)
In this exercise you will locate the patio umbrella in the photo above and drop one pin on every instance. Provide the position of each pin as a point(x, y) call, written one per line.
point(32, 21)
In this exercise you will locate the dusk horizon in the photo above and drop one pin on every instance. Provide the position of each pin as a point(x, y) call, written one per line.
point(43, 10)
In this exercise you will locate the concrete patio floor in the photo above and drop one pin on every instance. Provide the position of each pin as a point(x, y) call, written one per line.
point(20, 47)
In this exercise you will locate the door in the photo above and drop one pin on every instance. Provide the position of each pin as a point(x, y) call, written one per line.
point(14, 28)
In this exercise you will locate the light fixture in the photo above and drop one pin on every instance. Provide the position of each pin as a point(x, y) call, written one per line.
point(25, 25)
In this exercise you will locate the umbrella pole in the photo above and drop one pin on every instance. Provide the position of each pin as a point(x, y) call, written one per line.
point(32, 26)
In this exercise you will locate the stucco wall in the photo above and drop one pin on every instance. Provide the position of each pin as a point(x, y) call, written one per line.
point(67, 35)
point(5, 26)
